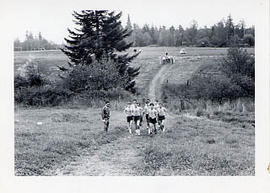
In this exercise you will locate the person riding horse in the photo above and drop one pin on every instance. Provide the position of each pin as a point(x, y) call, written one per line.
point(167, 59)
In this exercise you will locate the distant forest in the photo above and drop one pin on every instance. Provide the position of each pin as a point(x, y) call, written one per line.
point(224, 33)
point(32, 42)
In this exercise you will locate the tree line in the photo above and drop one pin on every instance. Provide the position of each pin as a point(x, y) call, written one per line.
point(32, 42)
point(224, 33)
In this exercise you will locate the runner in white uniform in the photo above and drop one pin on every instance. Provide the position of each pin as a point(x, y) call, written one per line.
point(152, 118)
point(141, 113)
point(145, 112)
point(156, 104)
point(133, 103)
point(136, 118)
point(161, 116)
point(129, 113)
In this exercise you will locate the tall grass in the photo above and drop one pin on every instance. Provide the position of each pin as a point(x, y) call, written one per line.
point(177, 103)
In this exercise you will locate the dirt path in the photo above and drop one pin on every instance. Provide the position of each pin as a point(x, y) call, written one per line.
point(112, 159)
point(155, 85)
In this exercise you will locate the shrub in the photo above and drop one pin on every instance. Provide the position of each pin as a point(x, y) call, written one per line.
point(239, 66)
point(32, 77)
point(249, 39)
point(33, 88)
point(96, 76)
point(41, 96)
point(238, 62)
point(247, 85)
point(215, 88)
point(20, 81)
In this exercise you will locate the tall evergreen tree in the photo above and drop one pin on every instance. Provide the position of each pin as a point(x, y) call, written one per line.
point(191, 32)
point(229, 29)
point(129, 25)
point(100, 36)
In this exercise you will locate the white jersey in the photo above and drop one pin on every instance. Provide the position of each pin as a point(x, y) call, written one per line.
point(132, 106)
point(146, 109)
point(156, 106)
point(161, 111)
point(128, 111)
point(141, 110)
point(136, 111)
point(152, 113)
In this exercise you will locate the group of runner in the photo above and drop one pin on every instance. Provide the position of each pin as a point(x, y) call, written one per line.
point(153, 112)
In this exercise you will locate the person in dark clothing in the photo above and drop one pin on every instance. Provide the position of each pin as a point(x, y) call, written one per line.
point(105, 115)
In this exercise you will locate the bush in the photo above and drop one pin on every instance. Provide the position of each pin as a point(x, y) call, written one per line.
point(239, 66)
point(96, 76)
point(215, 88)
point(238, 62)
point(249, 39)
point(32, 77)
point(41, 96)
point(247, 85)
point(20, 81)
point(32, 88)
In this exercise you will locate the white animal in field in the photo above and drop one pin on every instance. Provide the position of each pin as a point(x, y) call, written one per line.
point(39, 123)
point(182, 51)
point(166, 59)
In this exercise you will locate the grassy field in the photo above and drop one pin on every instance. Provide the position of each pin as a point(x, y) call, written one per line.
point(71, 141)
point(47, 61)
point(195, 146)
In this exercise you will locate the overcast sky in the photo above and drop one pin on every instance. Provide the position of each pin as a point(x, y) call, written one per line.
point(52, 18)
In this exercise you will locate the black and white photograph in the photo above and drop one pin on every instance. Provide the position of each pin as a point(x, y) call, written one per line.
point(138, 89)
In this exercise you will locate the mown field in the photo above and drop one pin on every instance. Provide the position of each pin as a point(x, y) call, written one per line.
point(70, 141)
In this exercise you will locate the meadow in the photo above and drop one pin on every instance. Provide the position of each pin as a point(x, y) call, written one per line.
point(70, 140)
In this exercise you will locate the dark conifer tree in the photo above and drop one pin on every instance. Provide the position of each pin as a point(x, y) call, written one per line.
point(100, 36)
